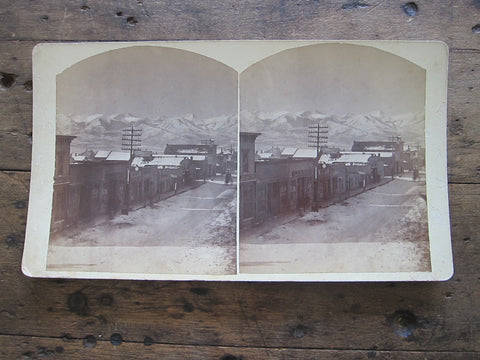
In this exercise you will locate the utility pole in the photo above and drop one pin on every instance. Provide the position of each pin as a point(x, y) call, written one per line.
point(317, 138)
point(131, 141)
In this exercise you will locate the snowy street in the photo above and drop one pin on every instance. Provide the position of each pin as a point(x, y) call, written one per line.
point(190, 233)
point(383, 229)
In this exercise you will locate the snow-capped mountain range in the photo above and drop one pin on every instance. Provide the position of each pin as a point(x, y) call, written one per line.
point(283, 129)
point(104, 132)
point(290, 129)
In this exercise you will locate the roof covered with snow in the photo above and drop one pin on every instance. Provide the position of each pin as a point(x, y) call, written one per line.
point(169, 161)
point(305, 154)
point(223, 151)
point(265, 155)
point(375, 146)
point(289, 151)
point(357, 158)
point(192, 157)
point(379, 148)
point(183, 149)
point(386, 154)
point(78, 158)
point(102, 154)
point(118, 156)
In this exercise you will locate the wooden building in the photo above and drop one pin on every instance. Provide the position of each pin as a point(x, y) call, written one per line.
point(90, 190)
point(209, 151)
point(62, 181)
point(272, 187)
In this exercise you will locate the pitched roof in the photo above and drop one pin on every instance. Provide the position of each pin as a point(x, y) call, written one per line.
point(386, 154)
point(170, 161)
point(355, 158)
point(264, 155)
point(118, 156)
point(288, 151)
point(183, 149)
point(102, 154)
point(374, 146)
point(192, 157)
point(78, 158)
point(305, 154)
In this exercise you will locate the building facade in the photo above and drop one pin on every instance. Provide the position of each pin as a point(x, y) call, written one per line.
point(272, 187)
point(91, 190)
point(62, 181)
point(209, 151)
point(392, 153)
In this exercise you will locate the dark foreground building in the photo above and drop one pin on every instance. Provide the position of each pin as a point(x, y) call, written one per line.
point(89, 190)
point(273, 187)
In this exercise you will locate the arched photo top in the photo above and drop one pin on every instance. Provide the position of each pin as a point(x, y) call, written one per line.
point(334, 78)
point(147, 81)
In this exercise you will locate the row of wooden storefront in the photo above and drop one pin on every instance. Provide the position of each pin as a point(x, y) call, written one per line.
point(90, 191)
point(279, 186)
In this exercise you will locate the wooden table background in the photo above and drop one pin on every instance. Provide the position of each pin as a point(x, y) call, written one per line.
point(98, 319)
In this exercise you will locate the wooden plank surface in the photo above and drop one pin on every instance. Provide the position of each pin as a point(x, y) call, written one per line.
point(363, 317)
point(450, 21)
point(76, 319)
point(26, 348)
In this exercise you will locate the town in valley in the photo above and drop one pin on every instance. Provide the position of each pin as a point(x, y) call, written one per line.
point(326, 209)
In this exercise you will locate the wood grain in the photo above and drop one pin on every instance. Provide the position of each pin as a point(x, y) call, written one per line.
point(75, 319)
point(359, 317)
point(174, 20)
point(25, 348)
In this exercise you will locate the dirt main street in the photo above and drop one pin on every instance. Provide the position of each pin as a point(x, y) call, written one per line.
point(382, 230)
point(190, 233)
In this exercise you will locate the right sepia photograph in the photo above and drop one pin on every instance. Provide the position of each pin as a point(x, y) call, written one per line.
point(332, 163)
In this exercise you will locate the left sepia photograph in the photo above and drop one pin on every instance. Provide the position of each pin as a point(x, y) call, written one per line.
point(145, 164)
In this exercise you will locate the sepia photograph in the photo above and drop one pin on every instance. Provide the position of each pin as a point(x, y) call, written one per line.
point(145, 170)
point(240, 160)
point(332, 162)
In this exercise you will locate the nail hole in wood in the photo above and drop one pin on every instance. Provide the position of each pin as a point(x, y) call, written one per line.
point(148, 341)
point(12, 240)
point(90, 341)
point(230, 357)
point(299, 331)
point(404, 323)
point(116, 339)
point(78, 303)
point(28, 85)
point(8, 80)
point(131, 20)
point(410, 8)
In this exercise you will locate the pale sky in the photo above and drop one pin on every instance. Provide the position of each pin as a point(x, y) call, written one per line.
point(334, 79)
point(150, 82)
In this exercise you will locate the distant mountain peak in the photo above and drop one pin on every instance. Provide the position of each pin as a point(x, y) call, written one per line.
point(104, 131)
point(284, 128)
